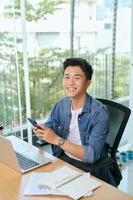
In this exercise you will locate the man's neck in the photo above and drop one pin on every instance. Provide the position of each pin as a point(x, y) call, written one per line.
point(78, 103)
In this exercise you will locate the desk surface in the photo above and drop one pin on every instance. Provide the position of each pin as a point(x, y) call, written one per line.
point(12, 185)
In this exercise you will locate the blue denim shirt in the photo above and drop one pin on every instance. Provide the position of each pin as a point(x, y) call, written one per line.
point(93, 124)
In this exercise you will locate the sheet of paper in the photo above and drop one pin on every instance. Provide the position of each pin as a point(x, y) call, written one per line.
point(32, 187)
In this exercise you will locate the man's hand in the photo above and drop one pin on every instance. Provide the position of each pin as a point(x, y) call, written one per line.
point(44, 133)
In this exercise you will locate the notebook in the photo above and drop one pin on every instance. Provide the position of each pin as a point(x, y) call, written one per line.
point(20, 155)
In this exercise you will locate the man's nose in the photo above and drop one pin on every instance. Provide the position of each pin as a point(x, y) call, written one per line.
point(71, 80)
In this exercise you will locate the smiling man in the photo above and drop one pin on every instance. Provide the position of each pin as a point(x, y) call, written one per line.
point(78, 124)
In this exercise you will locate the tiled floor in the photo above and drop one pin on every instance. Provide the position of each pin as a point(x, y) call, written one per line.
point(126, 184)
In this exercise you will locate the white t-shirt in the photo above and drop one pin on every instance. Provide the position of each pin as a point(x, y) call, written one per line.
point(74, 134)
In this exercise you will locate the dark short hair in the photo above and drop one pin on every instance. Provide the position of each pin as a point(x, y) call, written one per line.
point(82, 63)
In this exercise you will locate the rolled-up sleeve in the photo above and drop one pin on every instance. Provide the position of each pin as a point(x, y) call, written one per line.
point(99, 127)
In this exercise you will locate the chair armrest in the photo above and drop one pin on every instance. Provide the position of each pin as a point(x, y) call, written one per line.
point(103, 163)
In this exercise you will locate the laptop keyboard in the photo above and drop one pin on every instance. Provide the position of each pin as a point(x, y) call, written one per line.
point(25, 163)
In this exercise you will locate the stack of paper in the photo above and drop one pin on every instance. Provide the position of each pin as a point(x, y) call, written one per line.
point(62, 181)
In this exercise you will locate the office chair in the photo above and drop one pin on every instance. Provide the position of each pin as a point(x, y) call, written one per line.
point(119, 115)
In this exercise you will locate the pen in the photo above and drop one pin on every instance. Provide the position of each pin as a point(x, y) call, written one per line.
point(66, 180)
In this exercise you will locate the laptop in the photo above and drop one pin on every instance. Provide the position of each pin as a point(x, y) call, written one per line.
point(20, 155)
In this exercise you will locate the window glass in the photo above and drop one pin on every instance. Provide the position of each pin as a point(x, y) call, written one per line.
point(55, 30)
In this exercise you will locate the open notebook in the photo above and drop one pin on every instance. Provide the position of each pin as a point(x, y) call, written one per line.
point(62, 181)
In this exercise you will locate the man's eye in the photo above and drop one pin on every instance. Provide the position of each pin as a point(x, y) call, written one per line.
point(77, 78)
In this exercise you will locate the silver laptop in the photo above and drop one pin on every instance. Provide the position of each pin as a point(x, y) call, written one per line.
point(21, 155)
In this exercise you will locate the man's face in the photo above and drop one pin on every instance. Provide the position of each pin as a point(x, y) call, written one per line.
point(74, 82)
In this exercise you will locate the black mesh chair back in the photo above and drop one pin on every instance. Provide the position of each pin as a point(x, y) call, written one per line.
point(119, 115)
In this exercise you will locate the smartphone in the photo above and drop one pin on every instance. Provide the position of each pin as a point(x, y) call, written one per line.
point(34, 123)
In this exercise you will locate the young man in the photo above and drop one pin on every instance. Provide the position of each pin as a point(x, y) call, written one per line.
point(78, 124)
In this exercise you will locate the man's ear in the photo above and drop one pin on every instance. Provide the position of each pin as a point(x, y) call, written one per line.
point(88, 82)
